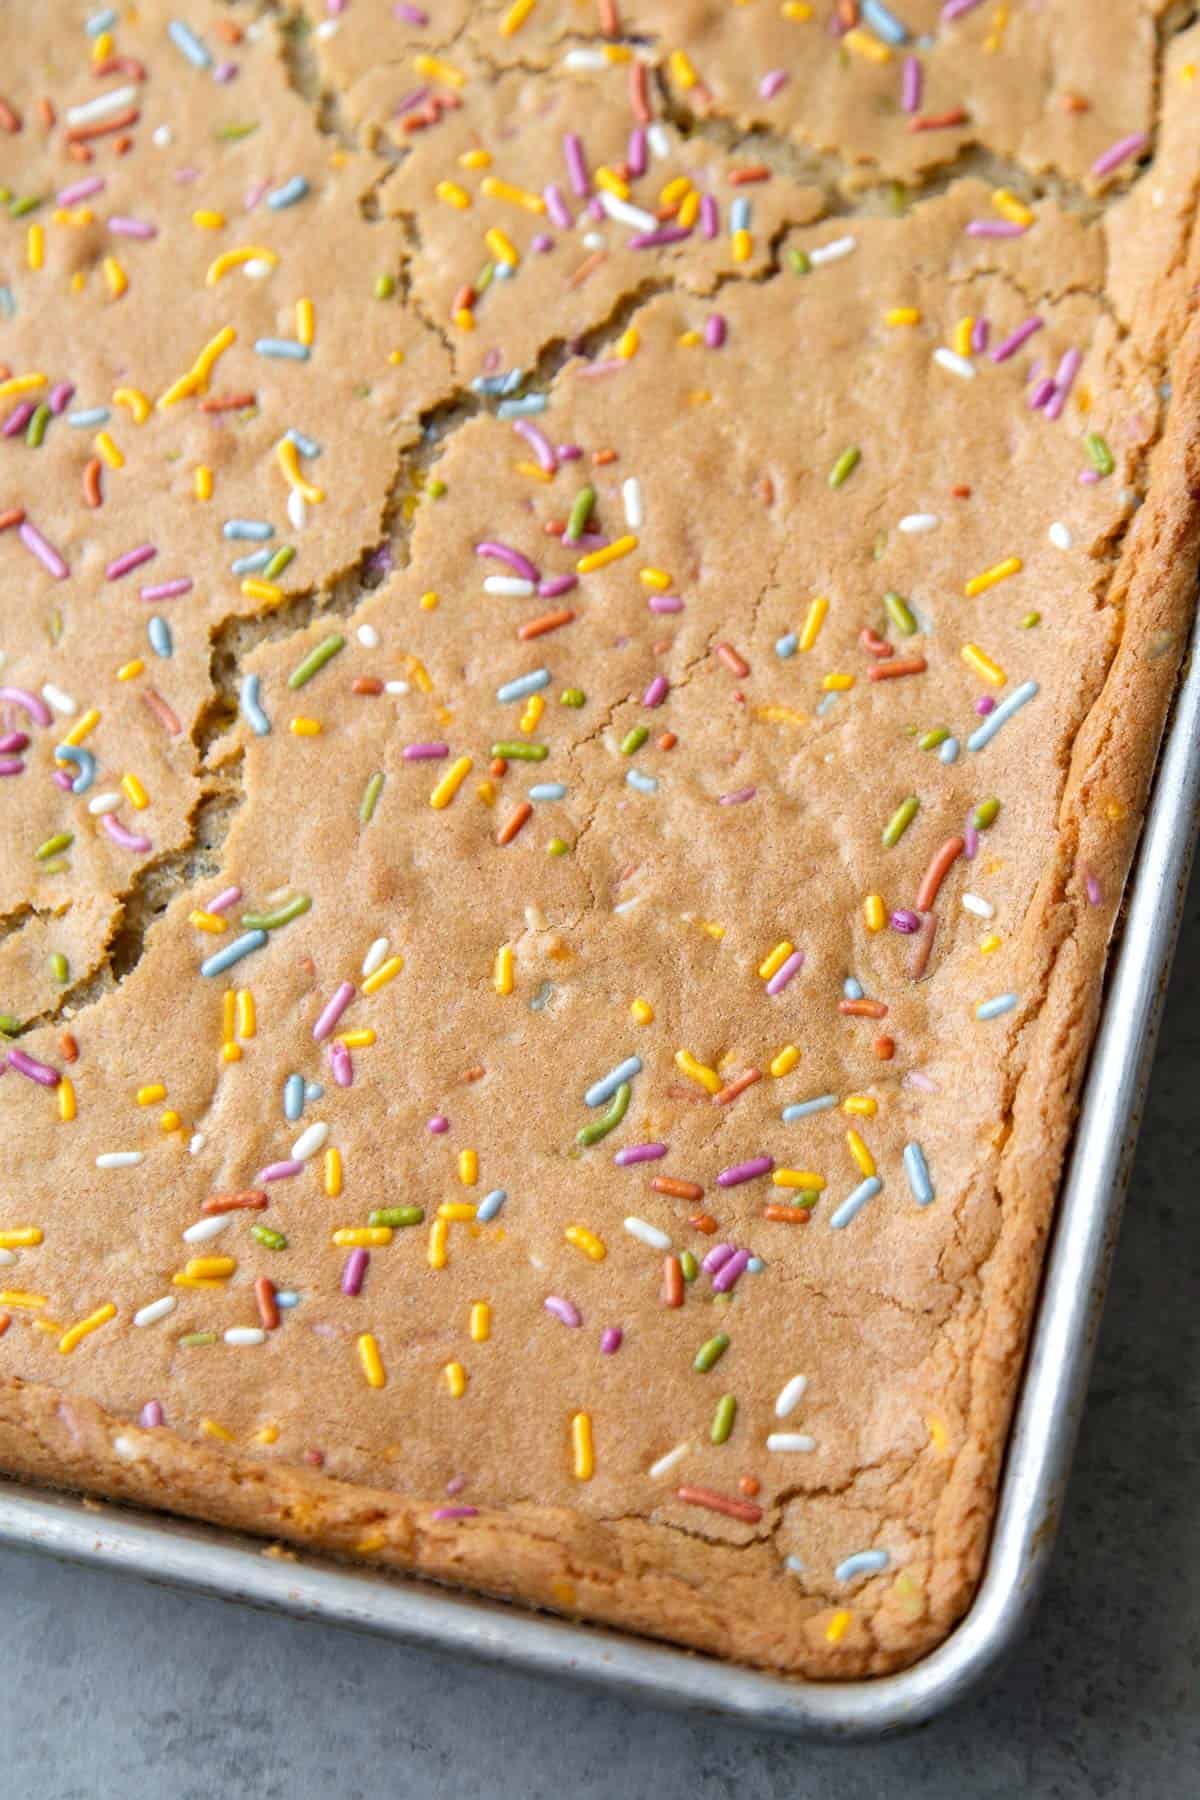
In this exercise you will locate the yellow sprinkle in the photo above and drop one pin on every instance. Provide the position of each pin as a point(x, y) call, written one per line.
point(535, 706)
point(18, 1297)
point(306, 321)
point(130, 670)
point(432, 68)
point(416, 668)
point(1009, 207)
point(902, 315)
point(698, 1071)
point(711, 928)
point(641, 1012)
point(682, 69)
point(837, 684)
point(135, 401)
point(21, 1237)
point(450, 783)
point(938, 1435)
point(457, 1212)
point(254, 589)
point(656, 579)
point(363, 1237)
point(962, 335)
point(170, 1120)
point(838, 1626)
point(233, 259)
point(797, 1178)
point(785, 1061)
point(1187, 74)
point(863, 43)
point(600, 559)
point(534, 471)
point(211, 1268)
point(231, 1052)
point(35, 246)
point(456, 1379)
point(69, 1339)
point(66, 1100)
point(814, 618)
point(83, 727)
point(21, 384)
point(183, 389)
point(487, 792)
point(983, 665)
point(429, 602)
point(743, 245)
point(134, 792)
point(611, 182)
point(979, 584)
point(991, 941)
point(267, 1434)
point(689, 212)
point(501, 246)
point(464, 318)
point(115, 276)
point(504, 190)
point(247, 1021)
point(333, 1172)
point(481, 1322)
point(776, 960)
point(674, 190)
point(387, 971)
point(51, 1327)
point(438, 1232)
point(780, 715)
point(216, 347)
point(468, 1167)
point(502, 972)
point(104, 446)
point(874, 912)
point(210, 922)
point(206, 220)
point(453, 194)
point(202, 482)
point(198, 1283)
point(862, 1106)
point(626, 346)
point(102, 47)
point(211, 1429)
point(370, 1361)
point(860, 1153)
point(587, 1241)
point(475, 159)
point(582, 1449)
point(288, 458)
point(302, 727)
point(357, 1040)
point(152, 1093)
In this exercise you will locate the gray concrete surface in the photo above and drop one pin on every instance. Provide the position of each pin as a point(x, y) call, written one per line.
point(111, 1688)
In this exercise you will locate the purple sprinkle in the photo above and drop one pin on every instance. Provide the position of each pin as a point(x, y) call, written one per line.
point(37, 1071)
point(520, 565)
point(710, 218)
point(714, 331)
point(32, 703)
point(738, 797)
point(62, 779)
point(911, 83)
point(772, 81)
point(1120, 152)
point(456, 1484)
point(639, 1153)
point(995, 228)
point(658, 238)
point(980, 333)
point(562, 1309)
point(747, 1171)
point(416, 98)
point(131, 228)
point(128, 840)
point(18, 418)
point(355, 1271)
point(46, 554)
point(59, 397)
point(635, 156)
point(1042, 392)
point(328, 1018)
point(408, 15)
point(541, 244)
point(430, 752)
point(556, 206)
point(542, 448)
point(225, 899)
point(970, 841)
point(151, 1415)
point(1064, 381)
point(438, 1125)
point(1015, 339)
point(665, 603)
point(341, 1065)
point(224, 73)
point(130, 560)
point(576, 166)
point(279, 1171)
point(726, 1276)
point(12, 741)
point(455, 1512)
point(1088, 477)
point(79, 190)
point(716, 1258)
point(557, 584)
point(906, 921)
point(610, 1340)
point(654, 695)
point(595, 210)
point(568, 452)
point(783, 974)
point(1095, 892)
point(12, 765)
point(167, 590)
point(958, 9)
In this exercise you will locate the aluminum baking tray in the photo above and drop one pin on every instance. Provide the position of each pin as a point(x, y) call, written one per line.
point(181, 1554)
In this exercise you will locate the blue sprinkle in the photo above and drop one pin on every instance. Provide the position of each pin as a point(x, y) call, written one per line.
point(522, 408)
point(159, 633)
point(604, 1089)
point(854, 1203)
point(510, 381)
point(287, 1298)
point(490, 1206)
point(948, 752)
point(502, 271)
point(523, 685)
point(293, 1097)
point(991, 725)
point(305, 445)
point(285, 349)
point(185, 39)
point(645, 784)
point(100, 22)
point(250, 565)
point(827, 705)
point(288, 194)
point(787, 645)
point(851, 989)
point(8, 305)
point(84, 761)
point(542, 998)
point(993, 1009)
point(755, 1266)
point(95, 415)
point(228, 954)
point(884, 22)
point(790, 1562)
point(804, 1109)
point(548, 790)
point(314, 1091)
point(863, 1562)
point(917, 1170)
point(256, 531)
point(259, 722)
point(739, 214)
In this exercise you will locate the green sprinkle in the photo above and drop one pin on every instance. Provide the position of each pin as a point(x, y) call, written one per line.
point(515, 751)
point(385, 287)
point(689, 1265)
point(285, 554)
point(897, 198)
point(798, 263)
point(10, 1026)
point(557, 847)
point(572, 697)
point(58, 865)
point(20, 209)
point(370, 799)
point(60, 968)
point(806, 1198)
point(845, 466)
point(1099, 454)
point(435, 488)
point(35, 431)
point(269, 1239)
point(197, 1340)
point(279, 915)
point(710, 1353)
point(581, 512)
point(900, 613)
point(633, 740)
point(723, 1419)
point(397, 1216)
point(483, 280)
point(900, 821)
point(62, 840)
point(233, 134)
point(316, 660)
point(931, 739)
point(54, 626)
point(1030, 620)
point(600, 1128)
point(985, 814)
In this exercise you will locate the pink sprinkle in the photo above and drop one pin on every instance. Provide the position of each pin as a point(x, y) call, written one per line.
point(455, 1512)
point(568, 452)
point(18, 418)
point(911, 83)
point(556, 207)
point(785, 972)
point(984, 705)
point(1064, 381)
point(519, 564)
point(128, 840)
point(595, 210)
point(656, 693)
point(63, 779)
point(738, 797)
point(635, 156)
point(12, 741)
point(726, 1276)
point(354, 1273)
point(980, 332)
point(37, 1071)
point(906, 921)
point(329, 1017)
point(279, 1171)
point(131, 559)
point(46, 554)
point(131, 228)
point(410, 102)
point(610, 1340)
point(32, 703)
point(439, 1124)
point(557, 584)
point(970, 841)
point(562, 1309)
point(576, 165)
point(659, 238)
point(541, 244)
point(1095, 892)
point(958, 9)
point(639, 1153)
point(1088, 477)
point(716, 1258)
point(665, 603)
point(429, 752)
point(995, 228)
point(225, 72)
point(79, 190)
point(772, 81)
point(1012, 343)
point(714, 331)
point(456, 1484)
point(408, 15)
point(12, 765)
point(225, 899)
point(59, 396)
point(168, 590)
point(341, 1064)
point(542, 448)
point(1120, 152)
point(151, 1415)
point(710, 218)
point(747, 1171)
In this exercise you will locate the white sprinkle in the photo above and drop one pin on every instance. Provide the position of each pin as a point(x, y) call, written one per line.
point(957, 365)
point(7, 1258)
point(161, 136)
point(631, 494)
point(834, 252)
point(1060, 537)
point(203, 1229)
point(535, 918)
point(983, 909)
point(368, 637)
point(125, 1448)
point(647, 1234)
point(785, 1442)
point(328, 28)
point(310, 1141)
point(624, 906)
point(666, 1463)
point(257, 268)
point(157, 1309)
point(636, 217)
point(297, 510)
point(195, 1143)
point(245, 1334)
point(659, 139)
point(374, 956)
point(395, 687)
point(593, 240)
point(99, 108)
point(104, 803)
point(119, 1159)
point(54, 696)
point(790, 1396)
point(585, 59)
point(912, 522)
point(514, 586)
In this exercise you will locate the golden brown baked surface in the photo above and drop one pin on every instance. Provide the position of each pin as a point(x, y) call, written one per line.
point(579, 693)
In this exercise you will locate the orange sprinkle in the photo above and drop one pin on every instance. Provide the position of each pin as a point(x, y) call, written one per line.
point(512, 825)
point(749, 172)
point(639, 104)
point(863, 1009)
point(587, 267)
point(672, 1286)
point(366, 684)
point(720, 1503)
point(535, 628)
point(906, 665)
point(703, 1222)
point(252, 1200)
point(787, 1215)
point(268, 1310)
point(68, 1047)
point(667, 741)
point(601, 458)
point(737, 1087)
point(943, 860)
point(749, 1485)
point(678, 1190)
point(5, 1322)
point(939, 121)
point(885, 1048)
point(93, 494)
point(737, 665)
point(14, 516)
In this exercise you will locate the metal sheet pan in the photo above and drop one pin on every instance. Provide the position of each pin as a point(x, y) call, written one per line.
point(1039, 1454)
